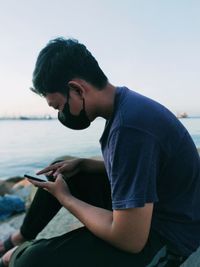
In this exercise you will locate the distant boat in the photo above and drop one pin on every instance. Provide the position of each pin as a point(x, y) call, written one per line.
point(24, 118)
point(182, 115)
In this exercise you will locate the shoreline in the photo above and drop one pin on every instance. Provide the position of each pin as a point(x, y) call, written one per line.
point(5, 179)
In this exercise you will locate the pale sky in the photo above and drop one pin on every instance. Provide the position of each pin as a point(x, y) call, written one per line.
point(152, 47)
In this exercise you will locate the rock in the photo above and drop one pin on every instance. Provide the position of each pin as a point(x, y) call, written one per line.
point(10, 225)
point(6, 185)
point(62, 223)
point(15, 193)
point(193, 260)
point(5, 230)
point(25, 190)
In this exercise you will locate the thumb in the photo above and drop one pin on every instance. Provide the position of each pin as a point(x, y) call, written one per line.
point(59, 176)
point(60, 180)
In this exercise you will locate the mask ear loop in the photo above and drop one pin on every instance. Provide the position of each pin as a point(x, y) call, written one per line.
point(67, 95)
point(83, 104)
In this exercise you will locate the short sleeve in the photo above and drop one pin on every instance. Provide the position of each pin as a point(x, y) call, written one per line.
point(134, 166)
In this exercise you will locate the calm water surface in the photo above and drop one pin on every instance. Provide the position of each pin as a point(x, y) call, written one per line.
point(32, 145)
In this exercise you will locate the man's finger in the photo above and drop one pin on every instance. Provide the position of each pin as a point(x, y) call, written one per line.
point(43, 171)
point(57, 172)
point(52, 168)
point(47, 169)
point(60, 176)
point(38, 184)
point(48, 173)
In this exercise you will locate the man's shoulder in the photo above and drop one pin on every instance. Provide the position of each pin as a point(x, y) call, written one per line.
point(137, 110)
point(147, 116)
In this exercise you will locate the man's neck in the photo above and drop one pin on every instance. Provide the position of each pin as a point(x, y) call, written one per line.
point(106, 101)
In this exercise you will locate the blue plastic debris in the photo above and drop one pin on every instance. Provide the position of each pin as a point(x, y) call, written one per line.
point(9, 205)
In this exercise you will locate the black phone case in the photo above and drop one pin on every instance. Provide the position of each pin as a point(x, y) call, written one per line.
point(33, 178)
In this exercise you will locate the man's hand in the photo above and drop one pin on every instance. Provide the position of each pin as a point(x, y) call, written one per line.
point(71, 167)
point(59, 188)
point(67, 167)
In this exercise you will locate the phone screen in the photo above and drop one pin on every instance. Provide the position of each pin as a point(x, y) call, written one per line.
point(33, 176)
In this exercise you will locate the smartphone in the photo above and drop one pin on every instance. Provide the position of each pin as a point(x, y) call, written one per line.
point(33, 176)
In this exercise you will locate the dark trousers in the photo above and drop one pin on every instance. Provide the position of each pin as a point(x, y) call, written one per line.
point(80, 247)
point(93, 189)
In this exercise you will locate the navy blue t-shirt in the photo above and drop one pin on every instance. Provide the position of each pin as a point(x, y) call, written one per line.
point(151, 158)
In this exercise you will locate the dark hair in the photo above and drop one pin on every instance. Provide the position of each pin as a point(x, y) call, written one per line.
point(61, 61)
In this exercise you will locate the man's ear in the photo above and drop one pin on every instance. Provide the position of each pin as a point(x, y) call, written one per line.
point(76, 88)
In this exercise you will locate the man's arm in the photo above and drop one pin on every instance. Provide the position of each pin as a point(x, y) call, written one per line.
point(92, 166)
point(126, 229)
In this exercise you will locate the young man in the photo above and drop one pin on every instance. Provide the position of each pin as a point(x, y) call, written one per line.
point(140, 206)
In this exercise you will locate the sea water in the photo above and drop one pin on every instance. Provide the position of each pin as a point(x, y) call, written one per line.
point(29, 145)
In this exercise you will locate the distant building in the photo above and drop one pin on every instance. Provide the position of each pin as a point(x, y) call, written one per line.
point(182, 115)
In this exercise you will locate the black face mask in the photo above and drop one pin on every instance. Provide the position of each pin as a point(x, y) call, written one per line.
point(75, 122)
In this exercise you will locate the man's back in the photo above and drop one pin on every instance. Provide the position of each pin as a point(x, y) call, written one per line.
point(156, 158)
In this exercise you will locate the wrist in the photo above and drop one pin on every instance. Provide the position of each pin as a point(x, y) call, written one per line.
point(65, 199)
